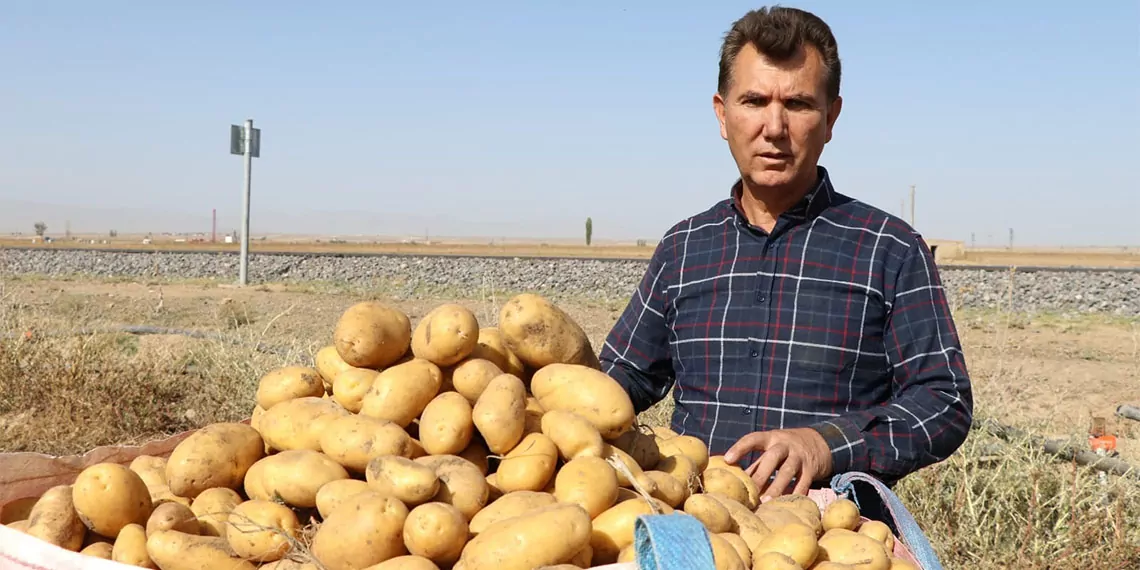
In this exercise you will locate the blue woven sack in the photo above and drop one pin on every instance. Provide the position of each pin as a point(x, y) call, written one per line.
point(676, 541)
point(902, 521)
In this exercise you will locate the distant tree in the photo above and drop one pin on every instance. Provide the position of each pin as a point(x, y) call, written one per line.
point(114, 233)
point(589, 230)
point(41, 228)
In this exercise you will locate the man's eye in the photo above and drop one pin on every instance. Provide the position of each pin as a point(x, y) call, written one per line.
point(755, 102)
point(798, 104)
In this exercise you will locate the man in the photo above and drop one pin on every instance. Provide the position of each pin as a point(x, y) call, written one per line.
point(803, 333)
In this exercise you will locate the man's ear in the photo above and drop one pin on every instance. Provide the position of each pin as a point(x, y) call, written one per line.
point(832, 115)
point(718, 108)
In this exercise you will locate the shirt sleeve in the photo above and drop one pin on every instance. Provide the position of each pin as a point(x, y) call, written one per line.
point(931, 410)
point(636, 352)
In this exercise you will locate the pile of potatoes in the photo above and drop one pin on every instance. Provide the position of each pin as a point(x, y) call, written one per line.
point(446, 445)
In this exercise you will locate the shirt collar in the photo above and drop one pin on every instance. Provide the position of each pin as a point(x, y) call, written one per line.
point(811, 205)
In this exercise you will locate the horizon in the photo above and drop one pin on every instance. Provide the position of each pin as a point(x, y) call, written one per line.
point(520, 121)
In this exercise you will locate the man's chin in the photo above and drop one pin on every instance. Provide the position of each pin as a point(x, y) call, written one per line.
point(771, 179)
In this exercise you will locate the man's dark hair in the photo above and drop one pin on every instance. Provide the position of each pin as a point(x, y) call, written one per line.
point(778, 33)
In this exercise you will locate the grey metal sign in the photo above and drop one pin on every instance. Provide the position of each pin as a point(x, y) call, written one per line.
point(237, 141)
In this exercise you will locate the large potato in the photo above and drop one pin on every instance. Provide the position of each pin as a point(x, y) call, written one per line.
point(510, 505)
point(350, 386)
point(461, 483)
point(446, 426)
point(53, 519)
point(574, 435)
point(109, 496)
point(721, 480)
point(500, 413)
point(667, 488)
point(436, 531)
point(587, 481)
point(492, 347)
point(529, 466)
point(332, 494)
point(410, 481)
point(173, 550)
point(296, 475)
point(750, 486)
point(354, 440)
point(217, 455)
point(848, 547)
point(710, 512)
point(687, 445)
point(299, 423)
point(173, 516)
point(366, 530)
point(471, 376)
point(541, 334)
point(446, 334)
point(546, 536)
point(130, 547)
point(794, 541)
point(213, 507)
point(371, 334)
point(399, 394)
point(587, 392)
point(613, 529)
point(287, 383)
point(261, 530)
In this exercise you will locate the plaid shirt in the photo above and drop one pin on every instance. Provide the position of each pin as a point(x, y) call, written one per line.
point(836, 320)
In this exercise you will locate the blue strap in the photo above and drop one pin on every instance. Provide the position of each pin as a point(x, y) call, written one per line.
point(909, 531)
point(676, 541)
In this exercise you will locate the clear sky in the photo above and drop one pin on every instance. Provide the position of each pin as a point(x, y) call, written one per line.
point(523, 118)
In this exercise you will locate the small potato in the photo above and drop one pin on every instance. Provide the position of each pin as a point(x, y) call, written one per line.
point(217, 455)
point(794, 541)
point(710, 512)
point(332, 494)
point(287, 383)
point(173, 550)
point(400, 393)
point(613, 529)
point(436, 531)
point(371, 334)
point(109, 496)
point(260, 530)
point(152, 471)
point(641, 446)
point(328, 364)
point(492, 347)
point(529, 466)
point(686, 445)
point(411, 482)
point(749, 484)
point(53, 519)
point(446, 426)
point(212, 507)
point(879, 531)
point(408, 562)
point(446, 334)
point(98, 550)
point(350, 386)
point(720, 480)
point(724, 555)
point(354, 440)
point(461, 483)
point(130, 546)
point(589, 482)
point(843, 513)
point(296, 475)
point(585, 391)
point(547, 536)
point(540, 333)
point(510, 505)
point(299, 423)
point(500, 413)
point(682, 469)
point(667, 488)
point(173, 516)
point(472, 375)
point(367, 530)
point(849, 547)
point(574, 435)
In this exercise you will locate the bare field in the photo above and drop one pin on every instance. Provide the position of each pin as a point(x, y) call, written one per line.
point(995, 504)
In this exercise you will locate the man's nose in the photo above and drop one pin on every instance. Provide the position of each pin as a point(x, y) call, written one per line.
point(774, 124)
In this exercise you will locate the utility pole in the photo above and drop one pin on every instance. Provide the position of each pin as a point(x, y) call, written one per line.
point(214, 226)
point(246, 142)
point(912, 205)
point(1010, 238)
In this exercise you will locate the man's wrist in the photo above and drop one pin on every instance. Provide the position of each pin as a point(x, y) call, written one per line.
point(845, 445)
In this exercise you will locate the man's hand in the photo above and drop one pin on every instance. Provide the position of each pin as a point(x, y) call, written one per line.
point(800, 453)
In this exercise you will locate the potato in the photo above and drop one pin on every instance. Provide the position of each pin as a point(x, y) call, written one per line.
point(686, 445)
point(843, 513)
point(750, 486)
point(446, 426)
point(54, 520)
point(613, 529)
point(777, 561)
point(446, 334)
point(879, 531)
point(436, 531)
point(260, 530)
point(492, 347)
point(411, 482)
point(724, 555)
point(328, 364)
point(371, 334)
point(152, 471)
point(584, 558)
point(626, 555)
point(408, 562)
point(461, 483)
point(173, 516)
point(710, 512)
point(217, 455)
point(587, 392)
point(213, 507)
point(98, 550)
point(400, 393)
point(749, 526)
point(739, 546)
point(794, 541)
point(589, 482)
point(478, 454)
point(529, 466)
point(533, 414)
point(332, 494)
point(900, 564)
point(647, 485)
point(471, 376)
point(130, 546)
point(287, 383)
point(508, 506)
point(574, 435)
point(350, 386)
point(353, 441)
point(500, 413)
point(668, 488)
point(721, 480)
point(367, 530)
point(804, 507)
point(682, 469)
point(848, 547)
point(173, 550)
point(22, 525)
point(641, 446)
point(777, 517)
point(109, 496)
point(296, 475)
point(540, 333)
point(549, 535)
point(299, 423)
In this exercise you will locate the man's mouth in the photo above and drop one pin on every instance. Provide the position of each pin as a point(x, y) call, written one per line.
point(775, 155)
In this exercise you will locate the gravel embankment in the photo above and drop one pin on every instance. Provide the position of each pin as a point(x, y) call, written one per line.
point(1069, 292)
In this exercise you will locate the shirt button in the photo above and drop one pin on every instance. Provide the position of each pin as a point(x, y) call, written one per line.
point(755, 353)
point(762, 299)
point(748, 411)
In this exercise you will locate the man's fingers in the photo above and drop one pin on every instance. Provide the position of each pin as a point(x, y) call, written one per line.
point(770, 460)
point(788, 469)
point(747, 444)
point(804, 481)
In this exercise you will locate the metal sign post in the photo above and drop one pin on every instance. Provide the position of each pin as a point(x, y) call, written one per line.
point(246, 142)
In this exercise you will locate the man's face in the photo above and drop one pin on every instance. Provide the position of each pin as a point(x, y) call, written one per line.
point(776, 118)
